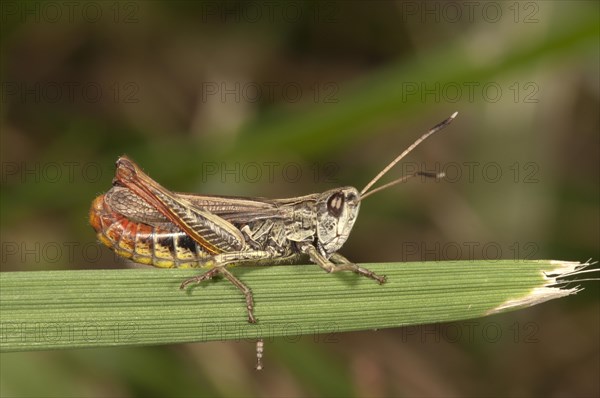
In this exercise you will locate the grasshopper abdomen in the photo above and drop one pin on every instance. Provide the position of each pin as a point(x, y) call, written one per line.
point(144, 243)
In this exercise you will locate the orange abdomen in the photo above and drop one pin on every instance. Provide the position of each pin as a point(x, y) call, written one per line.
point(144, 243)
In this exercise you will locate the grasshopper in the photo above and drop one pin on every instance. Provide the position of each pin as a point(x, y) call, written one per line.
point(143, 221)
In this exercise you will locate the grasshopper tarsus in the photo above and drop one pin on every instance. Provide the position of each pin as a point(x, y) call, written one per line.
point(251, 318)
point(381, 279)
point(184, 284)
point(370, 274)
point(360, 271)
point(332, 268)
point(187, 282)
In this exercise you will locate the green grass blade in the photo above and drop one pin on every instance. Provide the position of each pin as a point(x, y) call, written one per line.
point(68, 309)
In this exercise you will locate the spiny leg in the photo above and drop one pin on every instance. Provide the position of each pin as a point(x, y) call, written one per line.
point(219, 262)
point(244, 289)
point(344, 264)
point(356, 269)
point(337, 258)
point(202, 277)
point(231, 278)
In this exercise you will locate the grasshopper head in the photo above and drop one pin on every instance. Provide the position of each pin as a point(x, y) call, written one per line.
point(337, 210)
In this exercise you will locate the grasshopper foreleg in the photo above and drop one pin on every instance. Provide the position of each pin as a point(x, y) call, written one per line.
point(343, 264)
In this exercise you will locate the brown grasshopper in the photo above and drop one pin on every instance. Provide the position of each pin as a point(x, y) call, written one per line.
point(142, 221)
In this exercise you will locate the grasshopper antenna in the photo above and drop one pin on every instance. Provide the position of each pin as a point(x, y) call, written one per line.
point(402, 179)
point(364, 193)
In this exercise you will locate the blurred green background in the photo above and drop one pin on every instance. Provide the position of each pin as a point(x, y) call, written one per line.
point(283, 99)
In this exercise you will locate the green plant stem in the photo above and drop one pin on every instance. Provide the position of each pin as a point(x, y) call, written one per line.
point(68, 309)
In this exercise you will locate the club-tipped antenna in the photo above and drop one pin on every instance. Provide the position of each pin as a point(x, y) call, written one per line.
point(433, 130)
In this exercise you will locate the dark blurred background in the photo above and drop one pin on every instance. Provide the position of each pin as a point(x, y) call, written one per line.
point(283, 99)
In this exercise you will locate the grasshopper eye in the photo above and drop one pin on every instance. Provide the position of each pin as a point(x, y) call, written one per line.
point(335, 204)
